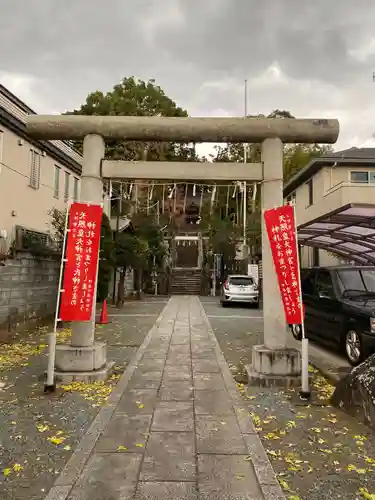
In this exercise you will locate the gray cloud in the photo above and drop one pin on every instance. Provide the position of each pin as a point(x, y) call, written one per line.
point(53, 53)
point(308, 40)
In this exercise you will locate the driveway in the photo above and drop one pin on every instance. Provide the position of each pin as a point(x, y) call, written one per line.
point(235, 322)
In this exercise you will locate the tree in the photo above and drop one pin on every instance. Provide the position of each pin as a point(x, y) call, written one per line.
point(130, 252)
point(296, 156)
point(133, 97)
point(223, 237)
point(147, 229)
point(106, 259)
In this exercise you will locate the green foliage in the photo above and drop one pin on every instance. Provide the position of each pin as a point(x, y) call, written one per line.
point(296, 156)
point(131, 251)
point(143, 246)
point(133, 97)
point(146, 229)
point(223, 236)
point(58, 225)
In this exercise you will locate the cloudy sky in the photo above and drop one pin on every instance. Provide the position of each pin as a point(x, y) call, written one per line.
point(313, 58)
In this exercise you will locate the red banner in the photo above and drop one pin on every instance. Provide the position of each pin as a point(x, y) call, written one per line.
point(81, 262)
point(280, 225)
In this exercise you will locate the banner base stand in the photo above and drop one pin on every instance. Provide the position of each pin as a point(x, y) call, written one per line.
point(48, 389)
point(305, 395)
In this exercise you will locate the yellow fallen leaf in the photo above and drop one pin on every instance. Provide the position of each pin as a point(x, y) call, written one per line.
point(121, 448)
point(273, 453)
point(366, 495)
point(240, 476)
point(17, 467)
point(56, 439)
point(291, 424)
point(316, 430)
point(7, 471)
point(42, 428)
point(284, 485)
point(360, 438)
point(294, 497)
point(271, 435)
point(140, 445)
point(67, 447)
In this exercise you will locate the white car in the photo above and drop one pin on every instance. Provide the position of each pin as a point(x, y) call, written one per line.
point(239, 289)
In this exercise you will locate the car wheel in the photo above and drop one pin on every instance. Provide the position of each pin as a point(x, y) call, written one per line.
point(296, 331)
point(224, 304)
point(353, 347)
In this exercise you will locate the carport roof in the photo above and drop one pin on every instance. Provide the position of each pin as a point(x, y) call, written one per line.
point(348, 232)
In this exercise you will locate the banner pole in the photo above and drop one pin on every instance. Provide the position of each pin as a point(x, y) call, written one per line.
point(305, 389)
point(93, 312)
point(50, 385)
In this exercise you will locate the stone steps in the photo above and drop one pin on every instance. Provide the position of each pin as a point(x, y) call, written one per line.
point(186, 282)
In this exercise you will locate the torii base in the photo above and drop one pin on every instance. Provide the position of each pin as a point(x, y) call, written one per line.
point(82, 364)
point(274, 367)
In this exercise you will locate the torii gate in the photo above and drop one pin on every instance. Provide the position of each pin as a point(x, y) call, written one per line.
point(86, 359)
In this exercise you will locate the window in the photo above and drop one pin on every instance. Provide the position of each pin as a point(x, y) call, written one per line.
point(354, 281)
point(307, 285)
point(67, 186)
point(359, 177)
point(241, 281)
point(291, 199)
point(75, 189)
point(310, 192)
point(56, 190)
point(324, 285)
point(34, 169)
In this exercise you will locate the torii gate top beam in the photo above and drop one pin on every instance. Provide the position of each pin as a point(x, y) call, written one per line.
point(164, 129)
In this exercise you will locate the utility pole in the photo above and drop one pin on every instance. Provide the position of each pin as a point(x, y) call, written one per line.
point(244, 185)
point(116, 235)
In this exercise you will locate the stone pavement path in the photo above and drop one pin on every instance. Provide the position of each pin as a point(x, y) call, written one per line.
point(175, 427)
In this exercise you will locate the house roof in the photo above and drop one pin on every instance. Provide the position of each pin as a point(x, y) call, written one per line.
point(348, 231)
point(13, 112)
point(357, 156)
point(124, 223)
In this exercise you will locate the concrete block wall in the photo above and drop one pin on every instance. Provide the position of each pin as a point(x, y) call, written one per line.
point(28, 290)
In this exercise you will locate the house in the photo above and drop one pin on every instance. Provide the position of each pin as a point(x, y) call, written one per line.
point(334, 199)
point(35, 176)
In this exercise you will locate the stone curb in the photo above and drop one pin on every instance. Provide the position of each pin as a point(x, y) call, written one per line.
point(75, 465)
point(331, 376)
point(265, 474)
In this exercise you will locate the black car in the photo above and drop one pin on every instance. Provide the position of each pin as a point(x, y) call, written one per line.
point(340, 309)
